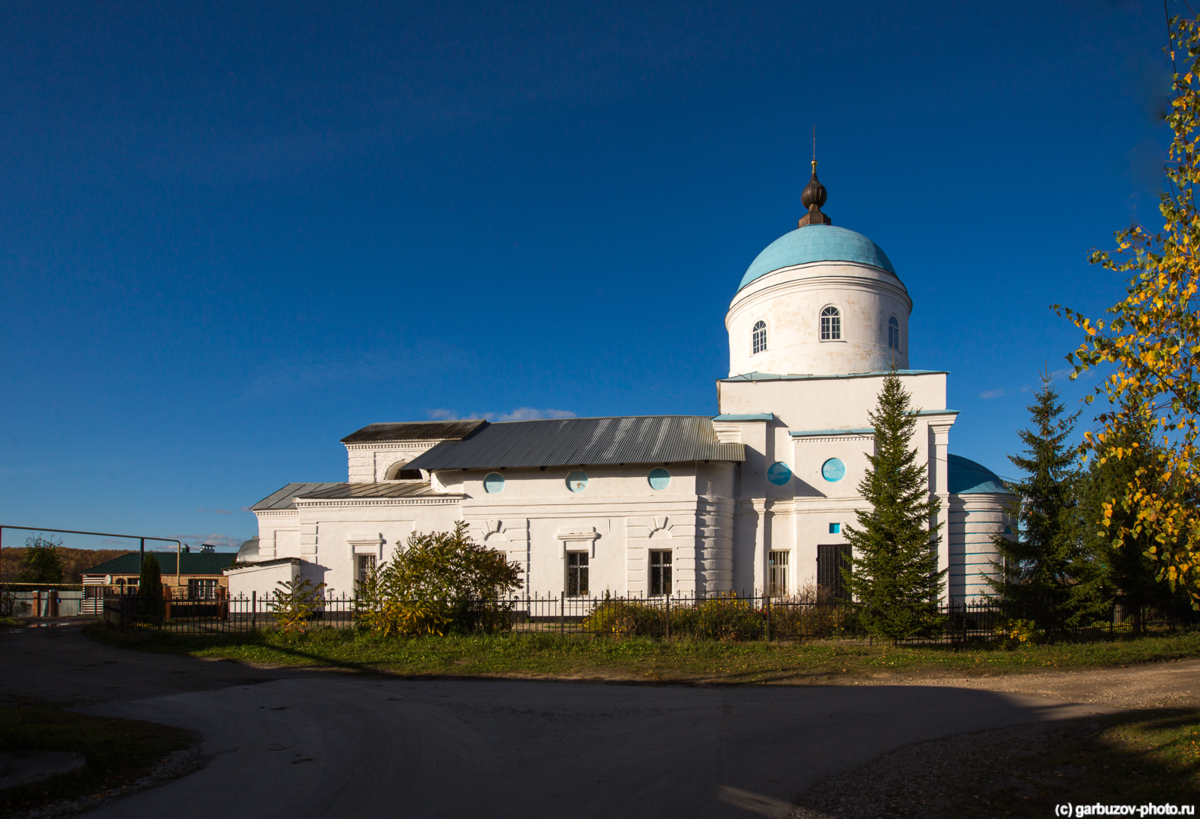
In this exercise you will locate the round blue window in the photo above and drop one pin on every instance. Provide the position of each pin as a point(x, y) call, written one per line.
point(493, 483)
point(779, 473)
point(833, 470)
point(577, 481)
point(659, 478)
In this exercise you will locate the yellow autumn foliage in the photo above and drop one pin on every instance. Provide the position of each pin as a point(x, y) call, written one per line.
point(1153, 339)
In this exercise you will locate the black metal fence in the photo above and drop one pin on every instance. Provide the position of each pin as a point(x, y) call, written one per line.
point(714, 617)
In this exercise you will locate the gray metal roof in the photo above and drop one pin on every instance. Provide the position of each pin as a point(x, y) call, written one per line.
point(637, 439)
point(283, 499)
point(415, 431)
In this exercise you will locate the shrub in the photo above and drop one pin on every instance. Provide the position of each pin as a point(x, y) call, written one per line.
point(626, 618)
point(439, 583)
point(1017, 633)
point(295, 602)
point(812, 612)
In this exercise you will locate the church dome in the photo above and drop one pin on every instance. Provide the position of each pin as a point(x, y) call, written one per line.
point(817, 243)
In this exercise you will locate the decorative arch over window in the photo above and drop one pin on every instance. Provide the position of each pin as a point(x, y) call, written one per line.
point(760, 337)
point(893, 334)
point(831, 324)
point(397, 472)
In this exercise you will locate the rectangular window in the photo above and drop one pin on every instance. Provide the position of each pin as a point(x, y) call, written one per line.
point(366, 565)
point(835, 528)
point(778, 579)
point(577, 573)
point(202, 589)
point(660, 573)
point(831, 559)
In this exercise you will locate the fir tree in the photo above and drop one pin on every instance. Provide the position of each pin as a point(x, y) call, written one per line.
point(1043, 574)
point(893, 571)
point(150, 587)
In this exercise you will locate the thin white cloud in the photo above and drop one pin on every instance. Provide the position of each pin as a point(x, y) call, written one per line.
point(519, 414)
point(219, 540)
point(988, 395)
point(528, 414)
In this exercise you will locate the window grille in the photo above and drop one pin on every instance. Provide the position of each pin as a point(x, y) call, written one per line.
point(831, 324)
point(366, 565)
point(577, 573)
point(893, 334)
point(760, 336)
point(660, 573)
point(831, 559)
point(778, 564)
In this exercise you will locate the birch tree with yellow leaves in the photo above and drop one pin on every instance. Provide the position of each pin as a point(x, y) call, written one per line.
point(1152, 343)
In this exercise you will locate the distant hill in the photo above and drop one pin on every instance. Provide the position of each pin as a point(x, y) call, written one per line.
point(76, 561)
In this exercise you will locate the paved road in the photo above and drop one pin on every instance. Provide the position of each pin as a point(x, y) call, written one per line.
point(319, 745)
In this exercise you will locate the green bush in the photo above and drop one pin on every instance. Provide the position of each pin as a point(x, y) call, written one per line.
point(625, 618)
point(294, 604)
point(440, 583)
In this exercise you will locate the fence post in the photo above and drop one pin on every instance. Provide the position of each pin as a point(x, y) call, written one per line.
point(768, 618)
point(254, 609)
point(668, 615)
point(562, 615)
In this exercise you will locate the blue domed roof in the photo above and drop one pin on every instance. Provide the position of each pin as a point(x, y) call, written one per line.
point(817, 243)
point(965, 477)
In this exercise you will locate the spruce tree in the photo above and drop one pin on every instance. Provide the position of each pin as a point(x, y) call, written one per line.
point(1043, 574)
point(893, 572)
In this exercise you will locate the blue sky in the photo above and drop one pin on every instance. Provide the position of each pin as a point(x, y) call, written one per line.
point(232, 233)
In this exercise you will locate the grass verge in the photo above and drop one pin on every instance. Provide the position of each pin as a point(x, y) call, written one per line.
point(1136, 758)
point(117, 752)
point(546, 655)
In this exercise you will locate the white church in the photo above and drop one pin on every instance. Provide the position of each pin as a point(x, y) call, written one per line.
point(755, 499)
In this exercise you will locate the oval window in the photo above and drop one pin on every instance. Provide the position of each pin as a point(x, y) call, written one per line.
point(833, 470)
point(493, 483)
point(779, 473)
point(577, 481)
point(659, 478)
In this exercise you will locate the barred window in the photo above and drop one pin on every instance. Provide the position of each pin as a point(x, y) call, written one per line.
point(831, 324)
point(660, 572)
point(577, 574)
point(893, 334)
point(778, 564)
point(760, 336)
point(366, 565)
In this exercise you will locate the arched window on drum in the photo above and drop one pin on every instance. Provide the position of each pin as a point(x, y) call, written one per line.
point(760, 337)
point(831, 324)
point(893, 334)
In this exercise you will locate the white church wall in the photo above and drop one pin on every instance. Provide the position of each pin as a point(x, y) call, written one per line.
point(278, 533)
point(974, 520)
point(825, 403)
point(338, 531)
point(790, 301)
point(370, 462)
point(812, 452)
point(260, 581)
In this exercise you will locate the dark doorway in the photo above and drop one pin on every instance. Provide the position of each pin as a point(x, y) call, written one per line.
point(831, 559)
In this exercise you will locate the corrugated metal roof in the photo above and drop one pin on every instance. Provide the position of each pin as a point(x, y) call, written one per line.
point(415, 431)
point(637, 439)
point(192, 563)
point(283, 499)
point(407, 489)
